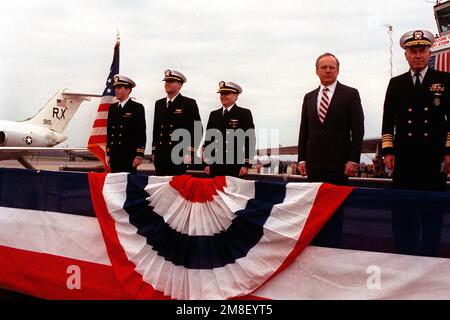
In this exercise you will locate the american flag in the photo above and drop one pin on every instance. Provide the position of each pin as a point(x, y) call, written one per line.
point(97, 140)
point(440, 61)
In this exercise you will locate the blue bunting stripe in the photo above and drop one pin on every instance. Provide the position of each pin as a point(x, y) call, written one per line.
point(203, 252)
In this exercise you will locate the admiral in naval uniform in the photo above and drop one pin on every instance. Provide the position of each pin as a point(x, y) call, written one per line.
point(126, 134)
point(226, 120)
point(416, 144)
point(416, 130)
point(174, 112)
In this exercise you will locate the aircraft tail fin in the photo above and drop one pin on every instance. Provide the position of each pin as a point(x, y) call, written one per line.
point(60, 109)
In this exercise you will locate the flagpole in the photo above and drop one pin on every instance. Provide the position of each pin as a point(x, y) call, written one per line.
point(97, 142)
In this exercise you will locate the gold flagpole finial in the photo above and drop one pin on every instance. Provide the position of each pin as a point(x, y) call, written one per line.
point(117, 39)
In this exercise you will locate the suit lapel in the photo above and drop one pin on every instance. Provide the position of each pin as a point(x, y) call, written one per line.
point(313, 105)
point(407, 79)
point(428, 76)
point(230, 115)
point(126, 105)
point(177, 101)
point(163, 113)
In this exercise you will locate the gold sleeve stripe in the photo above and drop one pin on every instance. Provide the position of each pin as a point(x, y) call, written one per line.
point(140, 150)
point(448, 144)
point(387, 145)
point(387, 141)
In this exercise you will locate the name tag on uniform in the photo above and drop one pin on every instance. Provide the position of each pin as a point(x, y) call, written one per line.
point(178, 111)
point(127, 115)
point(233, 123)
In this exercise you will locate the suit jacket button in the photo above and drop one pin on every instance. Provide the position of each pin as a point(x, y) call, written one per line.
point(409, 121)
point(170, 142)
point(410, 134)
point(160, 142)
point(161, 134)
point(425, 134)
point(410, 110)
point(425, 109)
point(426, 121)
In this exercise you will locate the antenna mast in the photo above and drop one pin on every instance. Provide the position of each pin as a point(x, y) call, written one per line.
point(391, 44)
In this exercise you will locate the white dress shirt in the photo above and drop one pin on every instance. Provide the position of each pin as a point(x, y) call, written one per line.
point(421, 75)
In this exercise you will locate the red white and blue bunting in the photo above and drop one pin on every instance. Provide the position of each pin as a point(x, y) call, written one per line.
point(191, 238)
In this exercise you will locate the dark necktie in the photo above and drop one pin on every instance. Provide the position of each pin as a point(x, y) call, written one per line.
point(170, 106)
point(417, 82)
point(225, 112)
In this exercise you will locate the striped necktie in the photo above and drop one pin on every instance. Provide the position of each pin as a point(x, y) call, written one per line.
point(324, 102)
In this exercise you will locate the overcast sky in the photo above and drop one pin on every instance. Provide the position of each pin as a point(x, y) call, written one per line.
point(268, 47)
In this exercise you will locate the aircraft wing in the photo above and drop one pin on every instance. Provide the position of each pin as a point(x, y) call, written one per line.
point(19, 153)
point(37, 149)
point(14, 152)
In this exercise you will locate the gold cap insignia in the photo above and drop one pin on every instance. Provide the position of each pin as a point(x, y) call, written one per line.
point(418, 35)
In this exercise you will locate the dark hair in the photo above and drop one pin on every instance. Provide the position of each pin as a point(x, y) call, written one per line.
point(326, 54)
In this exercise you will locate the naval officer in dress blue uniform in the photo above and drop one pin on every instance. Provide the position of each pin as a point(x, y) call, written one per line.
point(126, 134)
point(233, 153)
point(415, 140)
point(416, 130)
point(171, 113)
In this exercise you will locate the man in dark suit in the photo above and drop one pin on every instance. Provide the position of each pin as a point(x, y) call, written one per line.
point(126, 134)
point(331, 134)
point(233, 146)
point(172, 113)
point(416, 112)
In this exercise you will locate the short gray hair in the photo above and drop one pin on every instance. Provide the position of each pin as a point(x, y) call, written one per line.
point(326, 54)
